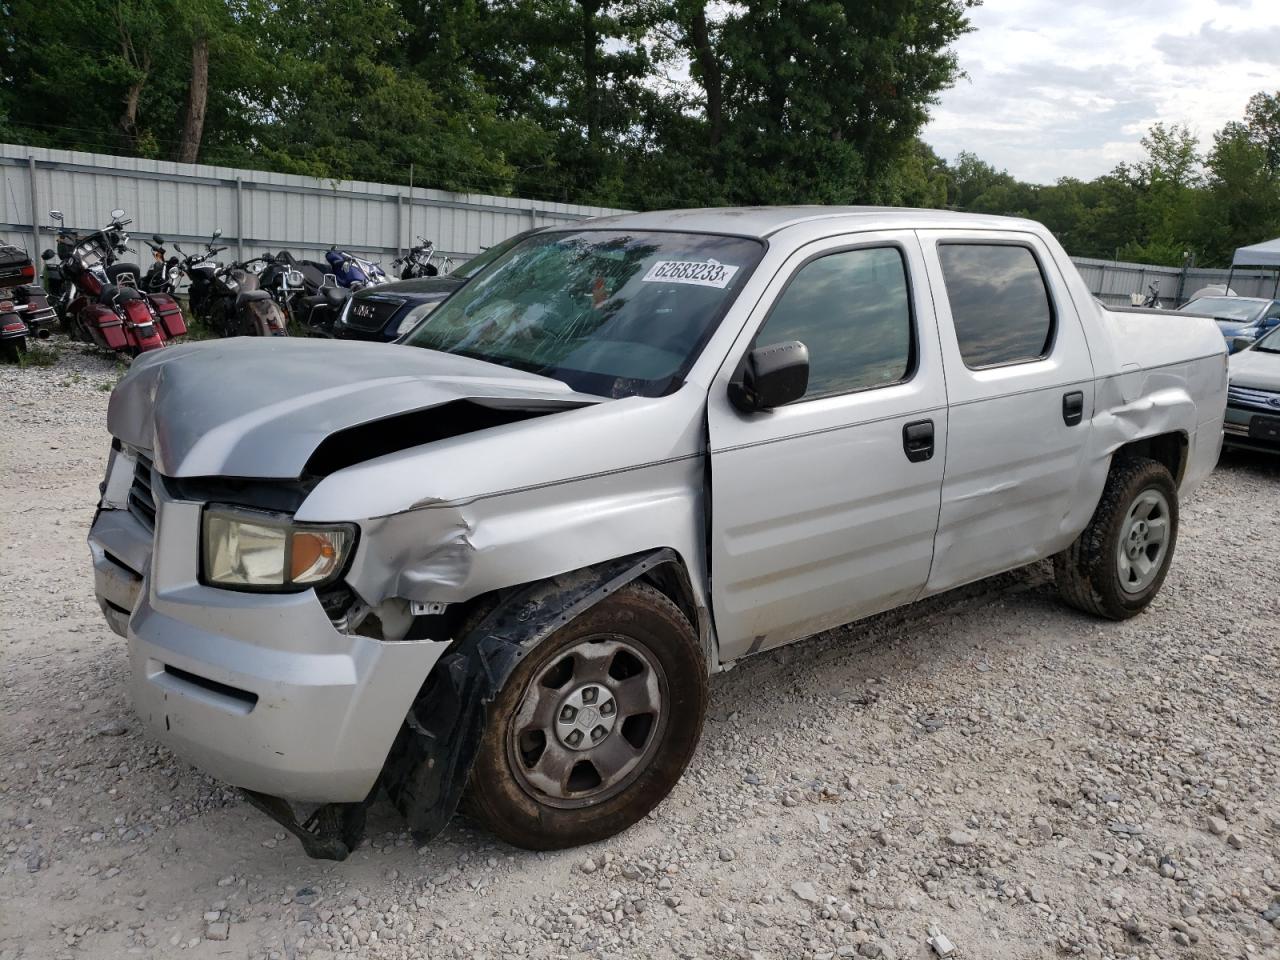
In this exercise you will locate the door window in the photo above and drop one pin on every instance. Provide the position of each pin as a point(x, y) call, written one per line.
point(852, 310)
point(999, 303)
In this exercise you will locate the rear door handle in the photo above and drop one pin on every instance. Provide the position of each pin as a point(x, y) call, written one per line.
point(1072, 408)
point(917, 440)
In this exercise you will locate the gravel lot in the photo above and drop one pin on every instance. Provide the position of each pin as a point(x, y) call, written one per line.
point(1033, 782)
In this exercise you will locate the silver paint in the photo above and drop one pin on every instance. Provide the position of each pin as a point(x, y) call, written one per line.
point(816, 516)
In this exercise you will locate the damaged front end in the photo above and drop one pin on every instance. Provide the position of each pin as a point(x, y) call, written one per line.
point(427, 770)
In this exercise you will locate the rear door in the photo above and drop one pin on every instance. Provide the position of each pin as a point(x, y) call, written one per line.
point(1020, 391)
point(819, 513)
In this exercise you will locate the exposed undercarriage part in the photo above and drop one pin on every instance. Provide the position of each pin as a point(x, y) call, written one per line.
point(427, 769)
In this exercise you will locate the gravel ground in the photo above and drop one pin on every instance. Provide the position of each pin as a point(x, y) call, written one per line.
point(1030, 781)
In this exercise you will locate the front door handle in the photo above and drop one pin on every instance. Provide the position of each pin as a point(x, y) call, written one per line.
point(917, 440)
point(1072, 408)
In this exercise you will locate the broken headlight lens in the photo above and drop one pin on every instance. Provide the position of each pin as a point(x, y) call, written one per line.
point(255, 550)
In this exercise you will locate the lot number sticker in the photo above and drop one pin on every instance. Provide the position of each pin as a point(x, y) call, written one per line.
point(700, 273)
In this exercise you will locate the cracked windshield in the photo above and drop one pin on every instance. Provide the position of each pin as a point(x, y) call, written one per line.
point(608, 312)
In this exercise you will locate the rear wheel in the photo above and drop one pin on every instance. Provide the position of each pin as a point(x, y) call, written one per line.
point(594, 727)
point(1117, 566)
point(13, 351)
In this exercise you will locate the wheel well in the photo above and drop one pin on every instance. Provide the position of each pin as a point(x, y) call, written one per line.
point(1169, 449)
point(670, 579)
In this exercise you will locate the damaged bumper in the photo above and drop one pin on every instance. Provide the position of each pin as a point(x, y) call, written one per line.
point(259, 690)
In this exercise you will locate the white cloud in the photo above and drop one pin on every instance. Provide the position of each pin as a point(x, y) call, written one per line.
point(1068, 89)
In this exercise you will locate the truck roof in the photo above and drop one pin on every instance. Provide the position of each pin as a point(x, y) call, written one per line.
point(765, 221)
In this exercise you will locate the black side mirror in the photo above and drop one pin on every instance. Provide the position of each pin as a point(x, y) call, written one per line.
point(770, 377)
point(47, 255)
point(1241, 343)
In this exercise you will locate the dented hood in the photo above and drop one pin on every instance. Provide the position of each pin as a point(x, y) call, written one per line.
point(251, 407)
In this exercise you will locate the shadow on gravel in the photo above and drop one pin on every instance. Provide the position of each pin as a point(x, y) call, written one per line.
point(1262, 466)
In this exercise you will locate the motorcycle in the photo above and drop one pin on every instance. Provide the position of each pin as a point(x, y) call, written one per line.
point(354, 272)
point(239, 307)
point(200, 269)
point(24, 307)
point(306, 290)
point(420, 261)
point(101, 300)
point(165, 271)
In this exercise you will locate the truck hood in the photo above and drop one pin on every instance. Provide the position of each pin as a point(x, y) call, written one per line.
point(1257, 369)
point(259, 407)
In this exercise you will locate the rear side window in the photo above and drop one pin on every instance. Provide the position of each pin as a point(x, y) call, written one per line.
point(853, 312)
point(999, 303)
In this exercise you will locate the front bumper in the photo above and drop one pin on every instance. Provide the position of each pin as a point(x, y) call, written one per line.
point(1236, 430)
point(259, 690)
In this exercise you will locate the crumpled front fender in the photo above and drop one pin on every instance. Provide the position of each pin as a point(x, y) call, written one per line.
point(431, 759)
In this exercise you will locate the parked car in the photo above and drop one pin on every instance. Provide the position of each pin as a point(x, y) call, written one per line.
point(391, 310)
point(1253, 399)
point(505, 555)
point(1239, 318)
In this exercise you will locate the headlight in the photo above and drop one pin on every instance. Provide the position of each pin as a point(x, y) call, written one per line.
point(410, 319)
point(257, 550)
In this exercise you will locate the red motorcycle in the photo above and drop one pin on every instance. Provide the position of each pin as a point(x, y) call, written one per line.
point(103, 304)
point(24, 309)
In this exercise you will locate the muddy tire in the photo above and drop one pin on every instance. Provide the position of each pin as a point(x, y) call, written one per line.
point(1117, 565)
point(594, 727)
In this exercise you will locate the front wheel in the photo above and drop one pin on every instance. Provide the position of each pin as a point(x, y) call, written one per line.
point(594, 727)
point(1116, 567)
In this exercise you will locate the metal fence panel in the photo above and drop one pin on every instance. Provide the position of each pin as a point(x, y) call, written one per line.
point(257, 211)
point(260, 212)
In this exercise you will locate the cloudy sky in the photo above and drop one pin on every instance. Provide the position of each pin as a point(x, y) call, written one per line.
point(1068, 87)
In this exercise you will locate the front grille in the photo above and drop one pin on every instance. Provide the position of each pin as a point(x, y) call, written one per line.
point(142, 503)
point(371, 314)
point(1253, 399)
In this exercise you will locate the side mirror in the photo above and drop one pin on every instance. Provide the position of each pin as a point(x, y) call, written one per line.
point(117, 214)
point(158, 239)
point(1241, 343)
point(47, 255)
point(55, 215)
point(217, 233)
point(770, 377)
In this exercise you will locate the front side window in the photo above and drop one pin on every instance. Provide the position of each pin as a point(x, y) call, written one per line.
point(999, 303)
point(611, 312)
point(852, 310)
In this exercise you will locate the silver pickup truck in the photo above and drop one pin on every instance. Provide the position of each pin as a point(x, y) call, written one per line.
point(496, 564)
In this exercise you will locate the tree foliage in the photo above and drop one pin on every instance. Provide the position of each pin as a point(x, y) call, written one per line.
point(630, 103)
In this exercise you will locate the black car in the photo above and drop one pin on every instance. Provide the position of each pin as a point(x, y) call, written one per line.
point(389, 310)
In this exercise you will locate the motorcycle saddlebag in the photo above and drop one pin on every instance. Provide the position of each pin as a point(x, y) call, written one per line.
point(142, 329)
point(15, 266)
point(170, 314)
point(40, 317)
point(107, 323)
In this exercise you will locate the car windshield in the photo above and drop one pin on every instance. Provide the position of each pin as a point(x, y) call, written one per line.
point(611, 312)
point(487, 256)
point(1269, 343)
point(1226, 308)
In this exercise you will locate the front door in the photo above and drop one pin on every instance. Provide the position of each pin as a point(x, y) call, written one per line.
point(824, 510)
point(1020, 385)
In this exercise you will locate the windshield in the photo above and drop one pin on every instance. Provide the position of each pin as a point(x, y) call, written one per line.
point(1269, 343)
point(487, 256)
point(611, 312)
point(1226, 308)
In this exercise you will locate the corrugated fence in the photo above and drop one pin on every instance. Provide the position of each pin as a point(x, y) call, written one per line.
point(266, 212)
point(257, 212)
